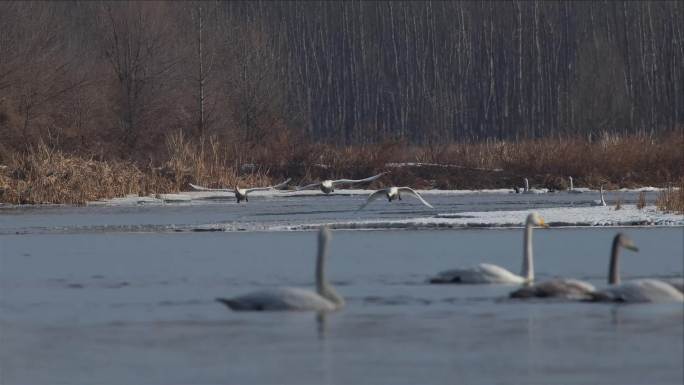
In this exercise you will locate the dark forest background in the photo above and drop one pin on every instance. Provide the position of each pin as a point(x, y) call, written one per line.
point(114, 79)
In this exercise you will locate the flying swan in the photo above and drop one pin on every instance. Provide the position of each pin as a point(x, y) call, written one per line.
point(327, 186)
point(392, 193)
point(241, 193)
point(325, 298)
point(638, 290)
point(488, 273)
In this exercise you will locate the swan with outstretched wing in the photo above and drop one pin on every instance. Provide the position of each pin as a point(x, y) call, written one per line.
point(392, 193)
point(327, 186)
point(241, 193)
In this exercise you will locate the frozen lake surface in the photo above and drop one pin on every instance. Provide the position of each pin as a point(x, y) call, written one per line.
point(114, 295)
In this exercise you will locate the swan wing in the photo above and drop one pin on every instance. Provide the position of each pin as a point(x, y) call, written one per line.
point(482, 273)
point(274, 187)
point(567, 288)
point(411, 191)
point(640, 290)
point(308, 187)
point(280, 299)
point(348, 181)
point(373, 197)
point(200, 188)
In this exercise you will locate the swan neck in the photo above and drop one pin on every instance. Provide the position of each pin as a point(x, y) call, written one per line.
point(603, 202)
point(571, 185)
point(320, 267)
point(527, 185)
point(528, 263)
point(613, 273)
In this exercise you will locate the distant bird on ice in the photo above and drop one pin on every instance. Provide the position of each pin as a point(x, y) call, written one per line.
point(327, 186)
point(392, 193)
point(241, 193)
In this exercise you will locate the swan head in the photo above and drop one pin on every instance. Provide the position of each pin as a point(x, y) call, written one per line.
point(626, 242)
point(327, 183)
point(535, 219)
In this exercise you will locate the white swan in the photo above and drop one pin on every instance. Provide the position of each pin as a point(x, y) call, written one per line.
point(677, 283)
point(325, 298)
point(488, 273)
point(577, 190)
point(529, 190)
point(638, 290)
point(602, 201)
point(327, 186)
point(393, 193)
point(241, 193)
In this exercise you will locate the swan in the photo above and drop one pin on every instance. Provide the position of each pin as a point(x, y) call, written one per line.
point(393, 193)
point(528, 190)
point(327, 186)
point(638, 290)
point(488, 273)
point(325, 298)
point(677, 283)
point(578, 190)
point(241, 193)
point(602, 201)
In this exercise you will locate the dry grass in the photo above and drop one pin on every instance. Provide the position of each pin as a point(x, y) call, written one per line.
point(641, 201)
point(46, 175)
point(672, 199)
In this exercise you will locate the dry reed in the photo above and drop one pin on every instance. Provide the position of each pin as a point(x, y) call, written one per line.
point(671, 199)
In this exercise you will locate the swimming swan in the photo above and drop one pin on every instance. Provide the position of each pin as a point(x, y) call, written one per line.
point(328, 186)
point(393, 193)
point(488, 273)
point(601, 202)
point(638, 290)
point(241, 193)
point(528, 190)
point(578, 190)
point(325, 298)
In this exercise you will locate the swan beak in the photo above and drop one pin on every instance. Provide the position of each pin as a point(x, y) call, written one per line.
point(632, 247)
point(543, 224)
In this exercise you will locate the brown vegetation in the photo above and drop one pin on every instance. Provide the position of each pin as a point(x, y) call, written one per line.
point(641, 201)
point(672, 199)
point(48, 175)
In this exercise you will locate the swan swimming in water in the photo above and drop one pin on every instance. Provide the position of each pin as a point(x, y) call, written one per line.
point(241, 193)
point(638, 290)
point(327, 186)
point(393, 193)
point(602, 201)
point(325, 298)
point(488, 273)
point(574, 190)
point(529, 190)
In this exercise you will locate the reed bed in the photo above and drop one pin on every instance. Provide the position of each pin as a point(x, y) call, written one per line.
point(47, 175)
point(671, 199)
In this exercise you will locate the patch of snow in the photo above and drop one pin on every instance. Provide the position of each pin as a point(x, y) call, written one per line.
point(628, 215)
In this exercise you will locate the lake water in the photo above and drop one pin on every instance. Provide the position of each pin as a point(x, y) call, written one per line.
point(107, 295)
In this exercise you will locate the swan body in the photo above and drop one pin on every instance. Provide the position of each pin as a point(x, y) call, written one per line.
point(482, 273)
point(529, 190)
point(280, 299)
point(677, 283)
point(567, 288)
point(392, 193)
point(327, 186)
point(488, 273)
point(325, 298)
point(241, 193)
point(638, 290)
point(602, 201)
point(574, 190)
